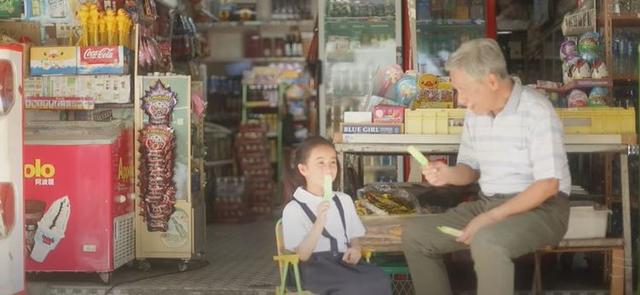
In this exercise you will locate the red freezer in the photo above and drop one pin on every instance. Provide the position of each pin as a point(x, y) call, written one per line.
point(78, 197)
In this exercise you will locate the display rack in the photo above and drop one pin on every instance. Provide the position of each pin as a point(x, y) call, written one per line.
point(275, 132)
point(185, 238)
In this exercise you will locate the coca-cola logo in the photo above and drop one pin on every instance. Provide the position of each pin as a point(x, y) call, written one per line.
point(100, 55)
point(103, 53)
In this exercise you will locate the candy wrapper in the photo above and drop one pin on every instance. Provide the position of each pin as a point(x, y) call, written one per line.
point(388, 199)
point(599, 70)
point(581, 70)
point(385, 80)
point(568, 50)
point(598, 97)
point(158, 103)
point(589, 46)
point(157, 144)
point(577, 98)
point(406, 90)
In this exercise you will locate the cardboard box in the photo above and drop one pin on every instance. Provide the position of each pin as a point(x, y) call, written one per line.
point(102, 60)
point(53, 60)
point(357, 117)
point(105, 89)
point(62, 86)
point(372, 128)
point(102, 89)
point(586, 221)
point(388, 114)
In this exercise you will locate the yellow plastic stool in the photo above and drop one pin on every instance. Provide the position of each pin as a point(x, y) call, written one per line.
point(285, 258)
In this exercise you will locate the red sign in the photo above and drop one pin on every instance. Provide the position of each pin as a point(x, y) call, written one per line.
point(99, 55)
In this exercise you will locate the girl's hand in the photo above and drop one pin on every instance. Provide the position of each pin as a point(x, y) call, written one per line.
point(352, 255)
point(321, 213)
point(435, 173)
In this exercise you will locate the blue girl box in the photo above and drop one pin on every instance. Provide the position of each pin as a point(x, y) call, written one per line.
point(53, 60)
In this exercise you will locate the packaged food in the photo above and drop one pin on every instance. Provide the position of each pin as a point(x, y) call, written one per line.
point(53, 60)
point(598, 97)
point(577, 98)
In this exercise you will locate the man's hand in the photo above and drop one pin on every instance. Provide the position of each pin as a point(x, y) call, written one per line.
point(476, 224)
point(352, 255)
point(436, 173)
point(321, 213)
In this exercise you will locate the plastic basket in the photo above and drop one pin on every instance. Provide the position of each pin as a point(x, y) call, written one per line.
point(598, 120)
point(396, 267)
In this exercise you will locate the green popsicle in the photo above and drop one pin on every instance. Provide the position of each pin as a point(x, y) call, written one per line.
point(417, 155)
point(450, 231)
point(328, 187)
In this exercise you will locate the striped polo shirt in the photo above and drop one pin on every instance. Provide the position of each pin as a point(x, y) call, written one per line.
point(520, 145)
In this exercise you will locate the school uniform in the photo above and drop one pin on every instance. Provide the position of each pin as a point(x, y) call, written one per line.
point(325, 272)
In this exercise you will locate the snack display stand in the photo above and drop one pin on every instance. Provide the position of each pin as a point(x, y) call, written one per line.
point(171, 226)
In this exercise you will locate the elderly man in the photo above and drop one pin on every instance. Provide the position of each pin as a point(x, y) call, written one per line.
point(512, 144)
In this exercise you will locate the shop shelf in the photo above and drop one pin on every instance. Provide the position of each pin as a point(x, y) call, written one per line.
point(359, 19)
point(449, 22)
point(625, 78)
point(278, 59)
point(253, 24)
point(625, 20)
point(218, 163)
point(114, 105)
point(582, 83)
point(260, 104)
point(213, 59)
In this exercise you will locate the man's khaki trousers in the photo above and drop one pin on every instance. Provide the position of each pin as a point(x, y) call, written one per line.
point(492, 248)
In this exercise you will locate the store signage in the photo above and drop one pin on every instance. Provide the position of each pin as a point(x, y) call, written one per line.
point(39, 170)
point(99, 55)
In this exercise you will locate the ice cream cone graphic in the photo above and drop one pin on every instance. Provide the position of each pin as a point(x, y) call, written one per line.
point(51, 228)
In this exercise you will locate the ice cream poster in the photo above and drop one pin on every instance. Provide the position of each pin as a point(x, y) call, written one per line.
point(44, 236)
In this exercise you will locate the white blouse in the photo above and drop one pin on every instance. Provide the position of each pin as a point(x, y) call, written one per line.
point(296, 224)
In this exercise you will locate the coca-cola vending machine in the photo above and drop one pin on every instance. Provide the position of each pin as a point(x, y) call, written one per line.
point(78, 179)
point(11, 203)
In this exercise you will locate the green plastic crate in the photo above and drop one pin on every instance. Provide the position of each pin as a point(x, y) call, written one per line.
point(396, 267)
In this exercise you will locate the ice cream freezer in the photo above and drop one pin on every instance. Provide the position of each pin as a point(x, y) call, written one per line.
point(78, 181)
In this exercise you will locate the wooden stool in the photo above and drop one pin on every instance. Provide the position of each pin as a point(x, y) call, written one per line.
point(616, 268)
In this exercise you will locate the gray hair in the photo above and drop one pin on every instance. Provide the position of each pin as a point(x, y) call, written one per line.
point(478, 58)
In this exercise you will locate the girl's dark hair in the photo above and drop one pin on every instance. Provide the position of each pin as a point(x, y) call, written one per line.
point(301, 156)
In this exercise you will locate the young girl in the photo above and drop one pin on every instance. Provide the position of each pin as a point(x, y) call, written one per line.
point(325, 233)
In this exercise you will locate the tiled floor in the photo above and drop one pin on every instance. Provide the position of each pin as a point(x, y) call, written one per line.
point(240, 262)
